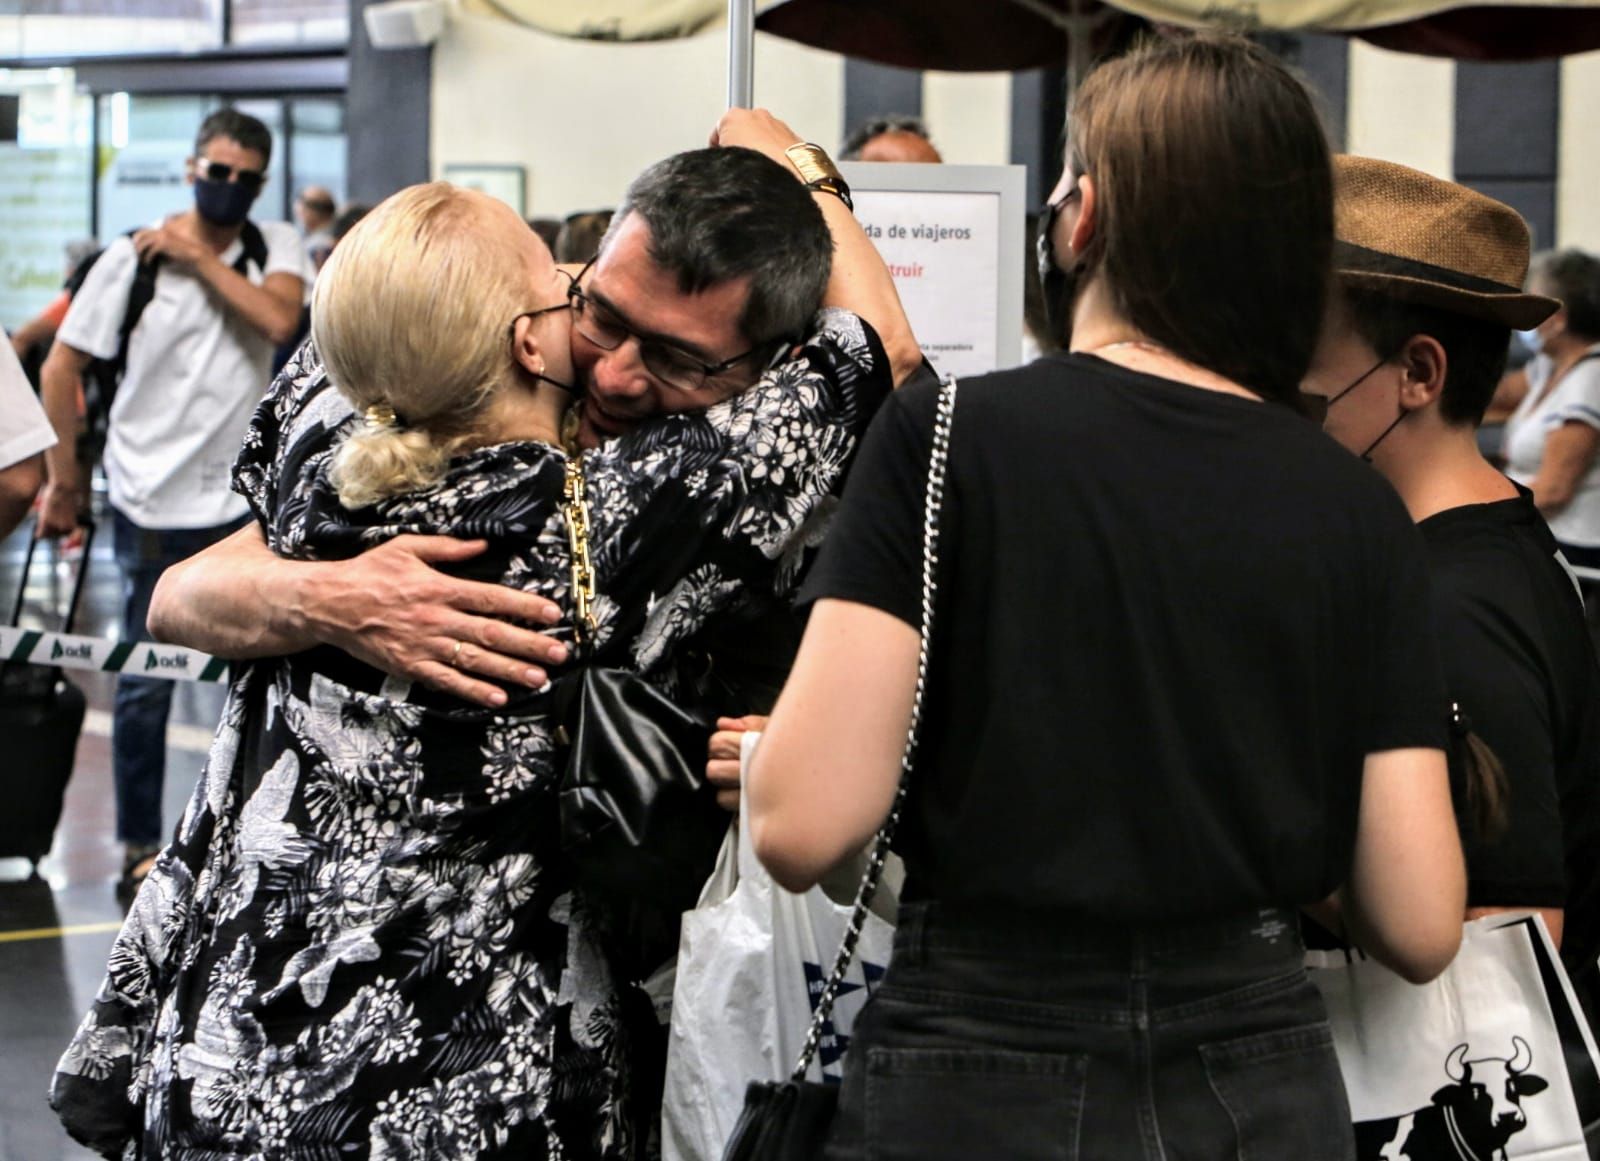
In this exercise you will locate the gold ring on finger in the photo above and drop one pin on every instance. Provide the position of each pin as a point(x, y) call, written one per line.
point(455, 654)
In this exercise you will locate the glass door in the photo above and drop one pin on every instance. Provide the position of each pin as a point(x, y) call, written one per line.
point(44, 186)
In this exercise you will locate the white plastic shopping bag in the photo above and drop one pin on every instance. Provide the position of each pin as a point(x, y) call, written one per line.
point(1491, 1060)
point(751, 962)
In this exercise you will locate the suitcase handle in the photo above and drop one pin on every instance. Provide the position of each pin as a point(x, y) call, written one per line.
point(77, 584)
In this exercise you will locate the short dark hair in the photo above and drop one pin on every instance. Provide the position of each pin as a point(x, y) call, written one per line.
point(877, 127)
point(1574, 278)
point(1475, 349)
point(1214, 207)
point(241, 127)
point(726, 213)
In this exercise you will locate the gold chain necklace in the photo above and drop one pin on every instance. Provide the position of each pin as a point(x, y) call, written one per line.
point(576, 501)
point(1144, 345)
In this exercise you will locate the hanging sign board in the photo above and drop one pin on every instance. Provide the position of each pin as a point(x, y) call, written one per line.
point(953, 238)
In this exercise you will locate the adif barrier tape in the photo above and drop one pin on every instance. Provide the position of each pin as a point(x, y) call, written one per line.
point(141, 658)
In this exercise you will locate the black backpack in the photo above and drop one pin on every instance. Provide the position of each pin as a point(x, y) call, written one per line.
point(101, 377)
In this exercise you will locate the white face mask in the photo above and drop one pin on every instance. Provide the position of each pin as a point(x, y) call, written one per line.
point(1533, 340)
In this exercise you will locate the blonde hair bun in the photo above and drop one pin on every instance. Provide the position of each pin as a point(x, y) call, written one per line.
point(409, 316)
point(376, 463)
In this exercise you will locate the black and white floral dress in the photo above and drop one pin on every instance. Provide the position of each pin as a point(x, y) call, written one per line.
point(360, 943)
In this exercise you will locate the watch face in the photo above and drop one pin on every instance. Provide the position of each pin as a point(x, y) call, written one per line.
point(811, 161)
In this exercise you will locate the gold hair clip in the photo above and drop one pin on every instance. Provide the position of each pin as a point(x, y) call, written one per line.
point(381, 415)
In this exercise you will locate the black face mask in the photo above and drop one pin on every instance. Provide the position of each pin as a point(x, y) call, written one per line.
point(1362, 378)
point(222, 203)
point(1059, 287)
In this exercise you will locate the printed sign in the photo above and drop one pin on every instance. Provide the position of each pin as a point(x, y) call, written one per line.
point(952, 237)
point(941, 250)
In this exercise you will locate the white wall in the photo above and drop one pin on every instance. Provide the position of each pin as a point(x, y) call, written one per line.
point(1402, 108)
point(1578, 183)
point(969, 115)
point(585, 117)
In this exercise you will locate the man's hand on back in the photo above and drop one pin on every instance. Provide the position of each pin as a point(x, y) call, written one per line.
point(392, 609)
point(389, 607)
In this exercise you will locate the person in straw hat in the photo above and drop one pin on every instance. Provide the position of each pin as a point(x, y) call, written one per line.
point(1431, 276)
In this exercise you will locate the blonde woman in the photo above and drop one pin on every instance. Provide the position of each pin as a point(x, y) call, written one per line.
point(361, 941)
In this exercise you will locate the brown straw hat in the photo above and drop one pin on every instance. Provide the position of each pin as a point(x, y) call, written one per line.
point(1419, 238)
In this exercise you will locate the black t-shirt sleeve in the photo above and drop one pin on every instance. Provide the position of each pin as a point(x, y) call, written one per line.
point(1503, 695)
point(1409, 706)
point(873, 552)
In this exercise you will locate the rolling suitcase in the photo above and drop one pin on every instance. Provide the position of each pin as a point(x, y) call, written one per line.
point(41, 715)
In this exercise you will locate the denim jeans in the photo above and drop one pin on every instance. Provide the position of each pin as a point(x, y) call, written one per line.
point(139, 717)
point(993, 1036)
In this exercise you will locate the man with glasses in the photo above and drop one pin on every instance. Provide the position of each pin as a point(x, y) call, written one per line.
point(696, 289)
point(700, 287)
point(188, 312)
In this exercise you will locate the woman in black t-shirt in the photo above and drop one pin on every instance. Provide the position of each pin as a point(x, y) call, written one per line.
point(1181, 678)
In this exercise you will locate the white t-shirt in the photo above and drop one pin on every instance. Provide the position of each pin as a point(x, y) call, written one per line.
point(1576, 399)
point(196, 371)
point(24, 430)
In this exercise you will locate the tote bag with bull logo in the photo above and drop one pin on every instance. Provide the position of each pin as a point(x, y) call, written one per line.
point(1493, 1060)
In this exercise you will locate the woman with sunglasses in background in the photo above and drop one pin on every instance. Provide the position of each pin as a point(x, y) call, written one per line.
point(1181, 681)
point(364, 939)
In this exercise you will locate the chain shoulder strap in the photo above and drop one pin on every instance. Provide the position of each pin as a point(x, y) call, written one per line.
point(933, 504)
point(575, 505)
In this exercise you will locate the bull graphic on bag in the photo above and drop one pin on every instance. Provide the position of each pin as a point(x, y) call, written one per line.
point(1470, 1119)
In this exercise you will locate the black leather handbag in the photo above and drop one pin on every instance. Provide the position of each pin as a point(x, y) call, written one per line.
point(638, 819)
point(789, 1120)
point(639, 822)
point(783, 1122)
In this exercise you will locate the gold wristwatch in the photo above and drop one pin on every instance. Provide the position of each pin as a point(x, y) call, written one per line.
point(817, 170)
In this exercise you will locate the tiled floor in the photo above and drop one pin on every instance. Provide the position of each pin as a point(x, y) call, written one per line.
point(56, 928)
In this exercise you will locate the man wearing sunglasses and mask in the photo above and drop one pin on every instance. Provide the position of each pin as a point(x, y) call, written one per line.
point(208, 294)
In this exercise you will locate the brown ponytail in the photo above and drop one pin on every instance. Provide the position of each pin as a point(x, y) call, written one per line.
point(1488, 791)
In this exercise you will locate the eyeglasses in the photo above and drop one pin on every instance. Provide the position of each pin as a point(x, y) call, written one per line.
point(540, 313)
point(250, 179)
point(671, 364)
